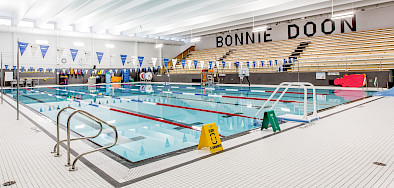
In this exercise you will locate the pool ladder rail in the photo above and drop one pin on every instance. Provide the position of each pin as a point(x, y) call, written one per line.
point(68, 140)
point(291, 117)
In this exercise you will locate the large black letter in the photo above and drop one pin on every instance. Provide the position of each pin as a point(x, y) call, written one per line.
point(306, 29)
point(248, 37)
point(352, 28)
point(241, 40)
point(219, 41)
point(231, 40)
point(323, 26)
point(289, 31)
point(267, 35)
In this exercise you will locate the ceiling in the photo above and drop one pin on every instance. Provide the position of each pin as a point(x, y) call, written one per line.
point(166, 19)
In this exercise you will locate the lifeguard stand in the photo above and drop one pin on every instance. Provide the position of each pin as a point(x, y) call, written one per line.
point(208, 77)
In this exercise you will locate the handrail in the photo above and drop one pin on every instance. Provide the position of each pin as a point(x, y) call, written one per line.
point(288, 85)
point(90, 116)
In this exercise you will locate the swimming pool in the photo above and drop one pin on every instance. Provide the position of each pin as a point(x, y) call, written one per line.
point(155, 119)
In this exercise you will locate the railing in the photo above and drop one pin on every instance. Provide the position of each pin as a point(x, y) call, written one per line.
point(68, 140)
point(381, 61)
point(287, 85)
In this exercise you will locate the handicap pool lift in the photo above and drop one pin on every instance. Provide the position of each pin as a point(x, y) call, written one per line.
point(292, 117)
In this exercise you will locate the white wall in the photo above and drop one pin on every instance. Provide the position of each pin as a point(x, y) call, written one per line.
point(86, 56)
point(377, 18)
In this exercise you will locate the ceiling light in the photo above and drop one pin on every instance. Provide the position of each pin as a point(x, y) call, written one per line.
point(109, 45)
point(342, 15)
point(5, 22)
point(258, 29)
point(41, 41)
point(79, 44)
point(197, 39)
point(159, 46)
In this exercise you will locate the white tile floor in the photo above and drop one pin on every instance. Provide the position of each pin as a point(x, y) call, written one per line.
point(337, 151)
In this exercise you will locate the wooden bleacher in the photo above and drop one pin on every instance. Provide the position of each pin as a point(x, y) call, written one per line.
point(355, 51)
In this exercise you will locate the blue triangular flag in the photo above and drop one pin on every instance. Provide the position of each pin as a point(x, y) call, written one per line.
point(22, 47)
point(74, 53)
point(123, 58)
point(210, 64)
point(44, 50)
point(140, 60)
point(224, 64)
point(195, 64)
point(183, 63)
point(99, 56)
point(166, 62)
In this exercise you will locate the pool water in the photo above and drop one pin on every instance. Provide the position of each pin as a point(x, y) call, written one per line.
point(155, 119)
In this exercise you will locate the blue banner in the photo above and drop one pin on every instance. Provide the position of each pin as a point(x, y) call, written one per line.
point(195, 64)
point(247, 64)
point(49, 70)
point(224, 64)
point(262, 63)
point(138, 69)
point(74, 53)
point(22, 68)
point(284, 61)
point(6, 66)
point(183, 63)
point(22, 47)
point(254, 63)
point(132, 70)
point(270, 63)
point(166, 62)
point(31, 69)
point(44, 50)
point(40, 69)
point(140, 59)
point(123, 58)
point(99, 56)
point(276, 62)
point(210, 64)
point(236, 64)
point(14, 67)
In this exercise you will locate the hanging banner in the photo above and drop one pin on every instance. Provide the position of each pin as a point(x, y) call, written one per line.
point(183, 63)
point(195, 64)
point(166, 62)
point(140, 59)
point(237, 64)
point(247, 64)
point(174, 63)
point(217, 64)
point(210, 64)
point(99, 56)
point(74, 53)
point(229, 65)
point(189, 63)
point(44, 50)
point(22, 47)
point(13, 67)
point(154, 60)
point(33, 49)
point(202, 64)
point(254, 63)
point(6, 67)
point(22, 68)
point(223, 64)
point(262, 63)
point(123, 58)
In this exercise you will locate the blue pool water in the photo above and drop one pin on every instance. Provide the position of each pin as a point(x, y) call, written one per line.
point(154, 119)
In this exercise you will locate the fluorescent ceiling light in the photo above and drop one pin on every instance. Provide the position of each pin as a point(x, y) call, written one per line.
point(197, 39)
point(25, 24)
point(109, 45)
point(5, 22)
point(47, 26)
point(258, 29)
point(342, 15)
point(41, 41)
point(79, 44)
point(159, 45)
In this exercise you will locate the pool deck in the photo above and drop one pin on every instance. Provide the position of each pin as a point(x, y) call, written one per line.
point(336, 151)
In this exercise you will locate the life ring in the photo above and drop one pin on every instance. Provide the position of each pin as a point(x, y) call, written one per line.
point(148, 76)
point(142, 76)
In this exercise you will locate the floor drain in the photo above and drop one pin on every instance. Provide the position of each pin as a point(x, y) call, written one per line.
point(379, 163)
point(9, 183)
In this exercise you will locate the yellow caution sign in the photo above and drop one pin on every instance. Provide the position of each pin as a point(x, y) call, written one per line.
point(210, 138)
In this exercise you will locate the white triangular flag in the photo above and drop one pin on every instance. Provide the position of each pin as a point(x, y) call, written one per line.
point(189, 63)
point(217, 64)
point(154, 60)
point(174, 63)
point(202, 64)
point(33, 49)
point(229, 65)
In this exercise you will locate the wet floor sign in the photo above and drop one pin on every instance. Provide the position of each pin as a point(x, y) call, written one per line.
point(210, 138)
point(270, 118)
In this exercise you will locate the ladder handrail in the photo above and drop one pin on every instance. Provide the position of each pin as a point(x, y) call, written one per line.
point(90, 116)
point(288, 85)
point(56, 148)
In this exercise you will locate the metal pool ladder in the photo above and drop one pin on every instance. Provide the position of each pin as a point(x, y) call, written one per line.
point(91, 117)
point(291, 117)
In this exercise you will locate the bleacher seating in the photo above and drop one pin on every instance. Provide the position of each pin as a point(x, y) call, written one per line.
point(363, 50)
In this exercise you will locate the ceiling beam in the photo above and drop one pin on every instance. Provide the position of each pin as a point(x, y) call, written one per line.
point(20, 14)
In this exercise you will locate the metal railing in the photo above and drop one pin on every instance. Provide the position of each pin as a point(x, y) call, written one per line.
point(56, 149)
point(287, 85)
